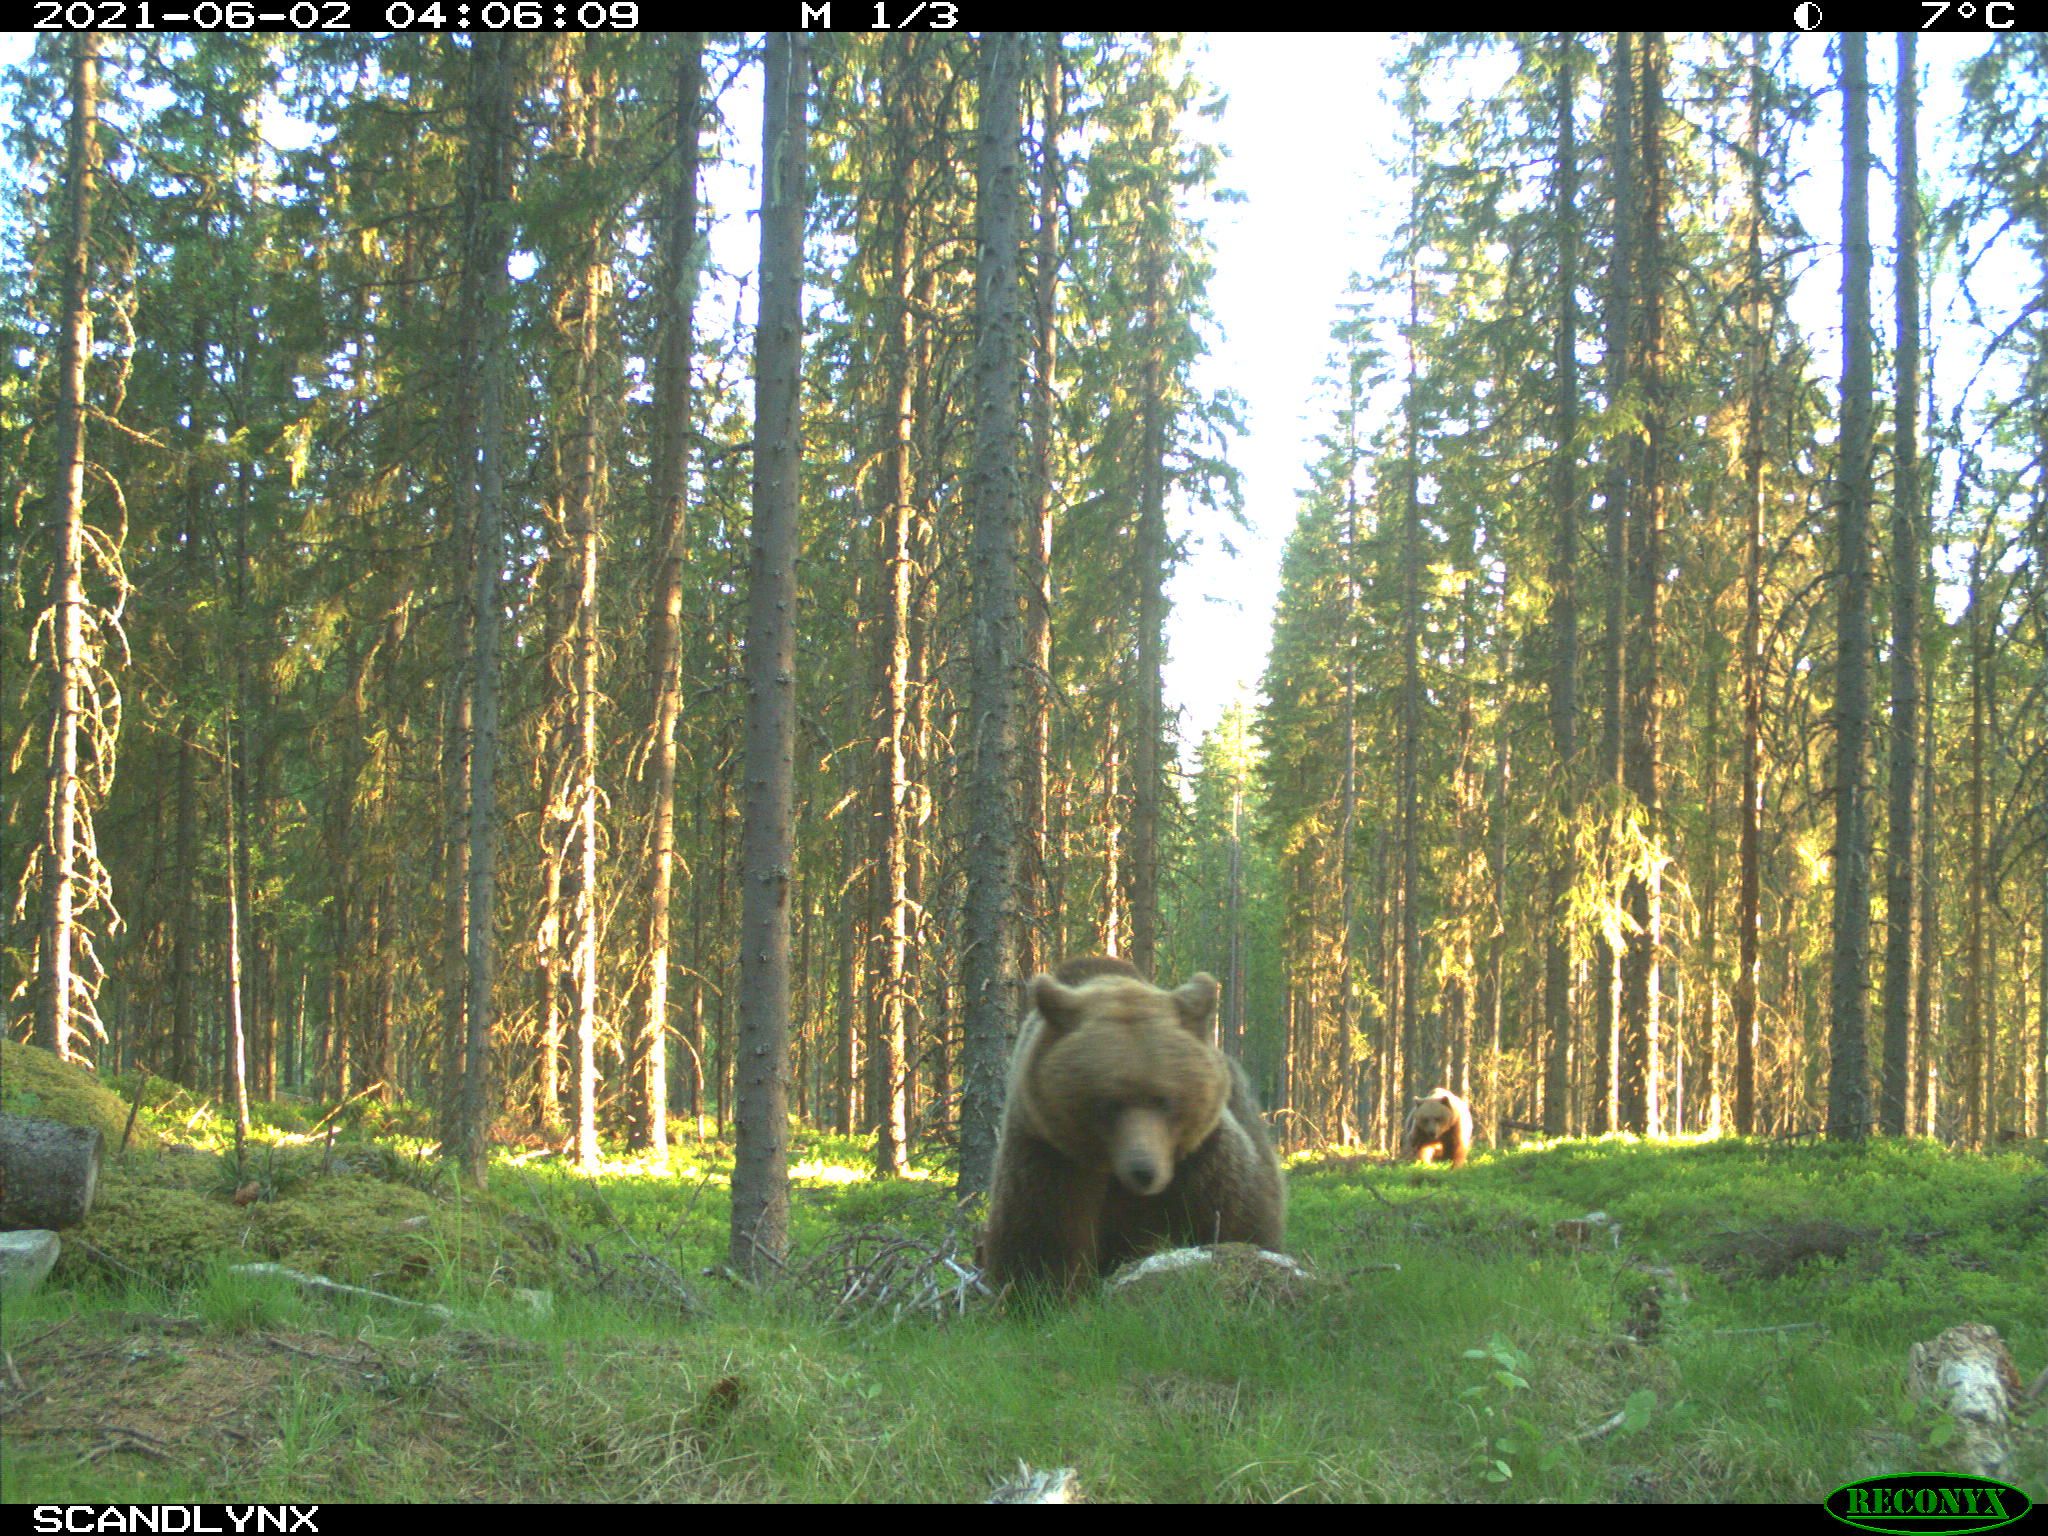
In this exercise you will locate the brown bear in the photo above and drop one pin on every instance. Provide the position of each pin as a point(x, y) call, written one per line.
point(1439, 1125)
point(1124, 1131)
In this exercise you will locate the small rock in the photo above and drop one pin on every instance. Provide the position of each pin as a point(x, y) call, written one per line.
point(539, 1303)
point(25, 1260)
point(1583, 1231)
point(1245, 1271)
point(415, 1224)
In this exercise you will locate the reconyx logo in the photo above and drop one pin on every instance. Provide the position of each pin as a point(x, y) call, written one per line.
point(1947, 1502)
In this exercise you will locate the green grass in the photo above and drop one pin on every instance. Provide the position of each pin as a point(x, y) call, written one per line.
point(1481, 1369)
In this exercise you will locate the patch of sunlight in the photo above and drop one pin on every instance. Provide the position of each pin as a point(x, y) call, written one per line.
point(828, 1173)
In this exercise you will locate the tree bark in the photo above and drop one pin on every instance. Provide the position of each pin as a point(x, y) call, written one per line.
point(1564, 675)
point(988, 963)
point(1620, 326)
point(760, 1185)
point(1035, 951)
point(1748, 907)
point(671, 471)
point(1848, 1086)
point(1904, 737)
point(57, 983)
point(891, 1059)
point(1641, 1011)
point(483, 482)
point(1148, 746)
point(1409, 769)
point(49, 1172)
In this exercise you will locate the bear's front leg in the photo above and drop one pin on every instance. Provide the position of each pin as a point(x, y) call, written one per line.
point(1227, 1191)
point(1042, 1218)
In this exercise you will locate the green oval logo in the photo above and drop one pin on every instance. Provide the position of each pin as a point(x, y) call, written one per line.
point(1950, 1503)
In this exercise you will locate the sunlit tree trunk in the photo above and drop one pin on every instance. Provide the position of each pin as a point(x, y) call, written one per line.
point(57, 984)
point(892, 782)
point(671, 472)
point(1148, 741)
point(1642, 896)
point(1904, 736)
point(1748, 904)
point(1564, 613)
point(581, 317)
point(1036, 898)
point(1620, 327)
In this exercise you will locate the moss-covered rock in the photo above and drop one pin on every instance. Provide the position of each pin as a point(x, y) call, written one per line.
point(34, 1082)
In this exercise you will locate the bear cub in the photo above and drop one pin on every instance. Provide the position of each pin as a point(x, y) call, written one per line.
point(1124, 1131)
point(1439, 1126)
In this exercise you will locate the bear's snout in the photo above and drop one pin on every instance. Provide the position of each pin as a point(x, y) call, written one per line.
point(1144, 1152)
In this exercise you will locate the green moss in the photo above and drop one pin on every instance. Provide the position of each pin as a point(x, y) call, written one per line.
point(35, 1082)
point(352, 1228)
point(141, 1227)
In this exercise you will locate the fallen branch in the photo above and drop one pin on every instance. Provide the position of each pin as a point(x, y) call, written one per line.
point(1967, 1374)
point(344, 1104)
point(327, 1287)
point(128, 1130)
point(1604, 1428)
point(1724, 1333)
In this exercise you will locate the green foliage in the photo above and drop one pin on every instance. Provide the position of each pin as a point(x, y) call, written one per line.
point(1490, 1365)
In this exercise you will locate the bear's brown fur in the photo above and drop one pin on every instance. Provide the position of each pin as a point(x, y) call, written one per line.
point(1124, 1131)
point(1440, 1125)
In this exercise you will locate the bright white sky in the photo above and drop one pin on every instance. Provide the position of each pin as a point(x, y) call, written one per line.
point(1305, 130)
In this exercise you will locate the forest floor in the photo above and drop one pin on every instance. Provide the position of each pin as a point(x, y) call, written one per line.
point(1735, 1329)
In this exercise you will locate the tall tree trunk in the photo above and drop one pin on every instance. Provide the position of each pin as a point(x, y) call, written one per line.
point(1976, 886)
point(1620, 325)
point(235, 1062)
point(1409, 791)
point(1748, 909)
point(846, 1093)
point(57, 984)
point(891, 1062)
point(1848, 1084)
point(988, 963)
point(185, 917)
point(1904, 738)
point(1148, 746)
point(583, 87)
point(1112, 936)
point(1641, 1014)
point(1925, 1062)
point(1348, 808)
point(760, 1183)
point(1712, 1064)
point(671, 474)
point(1564, 612)
point(1035, 951)
point(482, 483)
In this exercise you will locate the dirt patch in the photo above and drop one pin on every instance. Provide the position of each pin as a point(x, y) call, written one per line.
point(1771, 1252)
point(154, 1390)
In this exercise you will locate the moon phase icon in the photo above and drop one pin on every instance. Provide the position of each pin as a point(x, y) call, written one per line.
point(1807, 14)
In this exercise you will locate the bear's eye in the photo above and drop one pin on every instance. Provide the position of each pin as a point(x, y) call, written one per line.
point(1163, 1104)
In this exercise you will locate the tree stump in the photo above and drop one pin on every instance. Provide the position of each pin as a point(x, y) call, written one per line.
point(48, 1172)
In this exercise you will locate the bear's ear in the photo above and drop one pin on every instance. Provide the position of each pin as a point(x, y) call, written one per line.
point(1196, 999)
point(1059, 1006)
